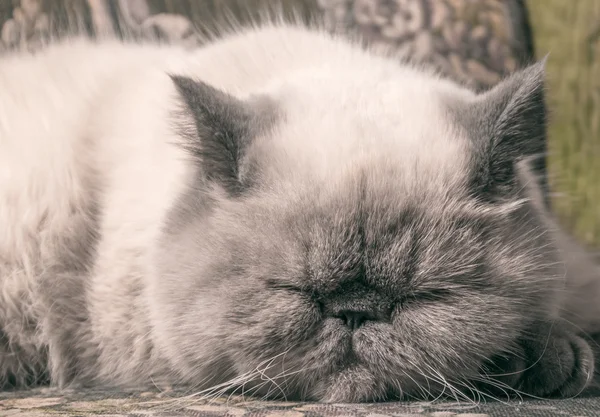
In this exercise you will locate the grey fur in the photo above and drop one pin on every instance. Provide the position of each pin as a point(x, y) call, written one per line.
point(505, 124)
point(226, 125)
point(61, 298)
point(54, 343)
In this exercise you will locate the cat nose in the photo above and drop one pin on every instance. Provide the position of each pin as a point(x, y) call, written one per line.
point(354, 319)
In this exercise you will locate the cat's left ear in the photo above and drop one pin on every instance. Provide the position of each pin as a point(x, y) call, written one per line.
point(224, 127)
point(508, 123)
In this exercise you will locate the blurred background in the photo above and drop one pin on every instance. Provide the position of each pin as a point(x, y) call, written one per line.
point(570, 32)
point(476, 42)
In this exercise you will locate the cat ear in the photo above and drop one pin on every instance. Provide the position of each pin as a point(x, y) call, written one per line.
point(223, 128)
point(510, 124)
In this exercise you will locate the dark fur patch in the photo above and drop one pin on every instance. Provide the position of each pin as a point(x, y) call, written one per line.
point(223, 128)
point(505, 124)
point(62, 298)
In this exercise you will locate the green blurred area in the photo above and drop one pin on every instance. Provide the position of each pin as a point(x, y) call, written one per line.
point(570, 31)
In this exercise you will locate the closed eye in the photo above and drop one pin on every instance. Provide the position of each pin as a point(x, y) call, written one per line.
point(427, 295)
point(288, 287)
point(276, 285)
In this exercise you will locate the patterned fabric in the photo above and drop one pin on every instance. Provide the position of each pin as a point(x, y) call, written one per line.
point(474, 41)
point(50, 403)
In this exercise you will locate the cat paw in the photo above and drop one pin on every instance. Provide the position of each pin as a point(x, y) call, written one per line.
point(560, 366)
point(555, 363)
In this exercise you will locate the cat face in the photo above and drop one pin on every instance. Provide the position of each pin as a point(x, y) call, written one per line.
point(379, 280)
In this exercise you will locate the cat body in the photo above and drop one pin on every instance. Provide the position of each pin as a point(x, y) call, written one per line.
point(278, 202)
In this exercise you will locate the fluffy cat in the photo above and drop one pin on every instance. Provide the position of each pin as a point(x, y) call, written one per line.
point(284, 210)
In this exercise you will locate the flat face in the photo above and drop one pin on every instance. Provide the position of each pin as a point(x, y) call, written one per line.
point(366, 258)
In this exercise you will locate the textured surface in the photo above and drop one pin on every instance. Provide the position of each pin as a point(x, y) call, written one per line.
point(47, 403)
point(477, 42)
point(474, 41)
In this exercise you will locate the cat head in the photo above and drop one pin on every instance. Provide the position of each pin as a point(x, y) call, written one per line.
point(356, 239)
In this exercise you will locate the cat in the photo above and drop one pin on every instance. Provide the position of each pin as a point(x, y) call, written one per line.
point(281, 212)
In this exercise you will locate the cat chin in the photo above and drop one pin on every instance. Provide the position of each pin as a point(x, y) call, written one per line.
point(350, 385)
point(359, 384)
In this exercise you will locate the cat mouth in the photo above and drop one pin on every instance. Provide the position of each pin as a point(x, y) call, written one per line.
point(352, 347)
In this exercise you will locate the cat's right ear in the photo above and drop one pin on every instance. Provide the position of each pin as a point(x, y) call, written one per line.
point(223, 128)
point(506, 125)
